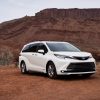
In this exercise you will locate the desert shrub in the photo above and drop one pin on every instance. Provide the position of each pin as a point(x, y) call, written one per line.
point(6, 56)
point(16, 57)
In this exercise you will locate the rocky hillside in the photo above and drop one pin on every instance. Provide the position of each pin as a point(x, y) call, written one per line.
point(78, 26)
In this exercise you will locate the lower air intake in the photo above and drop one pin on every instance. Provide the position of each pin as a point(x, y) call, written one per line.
point(81, 67)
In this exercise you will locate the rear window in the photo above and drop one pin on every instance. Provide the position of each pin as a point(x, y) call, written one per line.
point(26, 49)
point(31, 48)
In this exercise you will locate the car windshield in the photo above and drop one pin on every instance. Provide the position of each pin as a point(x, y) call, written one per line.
point(62, 46)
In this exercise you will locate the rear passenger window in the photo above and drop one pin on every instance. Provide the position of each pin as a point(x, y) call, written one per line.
point(26, 49)
point(35, 47)
point(31, 48)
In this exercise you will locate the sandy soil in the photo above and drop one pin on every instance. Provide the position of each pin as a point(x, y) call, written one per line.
point(35, 86)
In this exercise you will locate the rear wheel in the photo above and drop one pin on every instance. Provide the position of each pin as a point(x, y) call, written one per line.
point(51, 71)
point(23, 68)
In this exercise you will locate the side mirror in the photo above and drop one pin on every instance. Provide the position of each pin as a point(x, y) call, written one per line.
point(41, 51)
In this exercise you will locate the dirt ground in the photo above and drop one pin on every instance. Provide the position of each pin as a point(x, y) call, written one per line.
point(35, 86)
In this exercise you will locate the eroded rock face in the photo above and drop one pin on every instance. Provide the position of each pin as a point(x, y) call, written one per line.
point(79, 26)
point(72, 13)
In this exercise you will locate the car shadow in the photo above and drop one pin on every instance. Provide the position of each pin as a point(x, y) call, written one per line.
point(63, 77)
point(75, 77)
point(32, 73)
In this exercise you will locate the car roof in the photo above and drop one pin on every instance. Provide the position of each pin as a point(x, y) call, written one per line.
point(45, 42)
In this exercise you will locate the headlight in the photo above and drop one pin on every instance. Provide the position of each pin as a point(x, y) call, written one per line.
point(90, 56)
point(63, 56)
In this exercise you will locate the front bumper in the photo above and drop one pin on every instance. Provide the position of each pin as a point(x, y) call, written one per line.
point(78, 68)
point(76, 73)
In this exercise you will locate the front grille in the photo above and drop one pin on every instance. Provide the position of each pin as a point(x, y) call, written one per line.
point(81, 67)
point(81, 58)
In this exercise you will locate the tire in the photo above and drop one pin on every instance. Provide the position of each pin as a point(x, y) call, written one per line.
point(51, 71)
point(23, 68)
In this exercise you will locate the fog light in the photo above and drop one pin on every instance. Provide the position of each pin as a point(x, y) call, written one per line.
point(62, 71)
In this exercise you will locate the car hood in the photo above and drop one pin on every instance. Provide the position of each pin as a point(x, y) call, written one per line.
point(72, 54)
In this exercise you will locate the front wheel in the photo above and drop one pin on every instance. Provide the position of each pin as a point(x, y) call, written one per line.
point(23, 68)
point(51, 71)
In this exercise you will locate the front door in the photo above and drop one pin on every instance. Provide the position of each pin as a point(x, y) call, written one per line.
point(41, 59)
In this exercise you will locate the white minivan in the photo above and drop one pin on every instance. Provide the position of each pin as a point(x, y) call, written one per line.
point(56, 58)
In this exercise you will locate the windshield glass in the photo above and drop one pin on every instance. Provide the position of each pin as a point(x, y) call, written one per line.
point(62, 46)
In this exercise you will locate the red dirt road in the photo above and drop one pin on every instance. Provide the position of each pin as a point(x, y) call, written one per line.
point(15, 86)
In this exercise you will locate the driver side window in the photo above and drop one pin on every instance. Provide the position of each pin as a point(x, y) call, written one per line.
point(43, 47)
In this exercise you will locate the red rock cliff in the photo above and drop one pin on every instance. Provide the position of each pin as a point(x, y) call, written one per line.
point(72, 13)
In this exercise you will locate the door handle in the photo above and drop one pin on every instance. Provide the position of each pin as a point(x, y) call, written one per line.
point(34, 54)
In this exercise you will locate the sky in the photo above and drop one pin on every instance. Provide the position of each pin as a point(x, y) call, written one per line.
point(12, 9)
